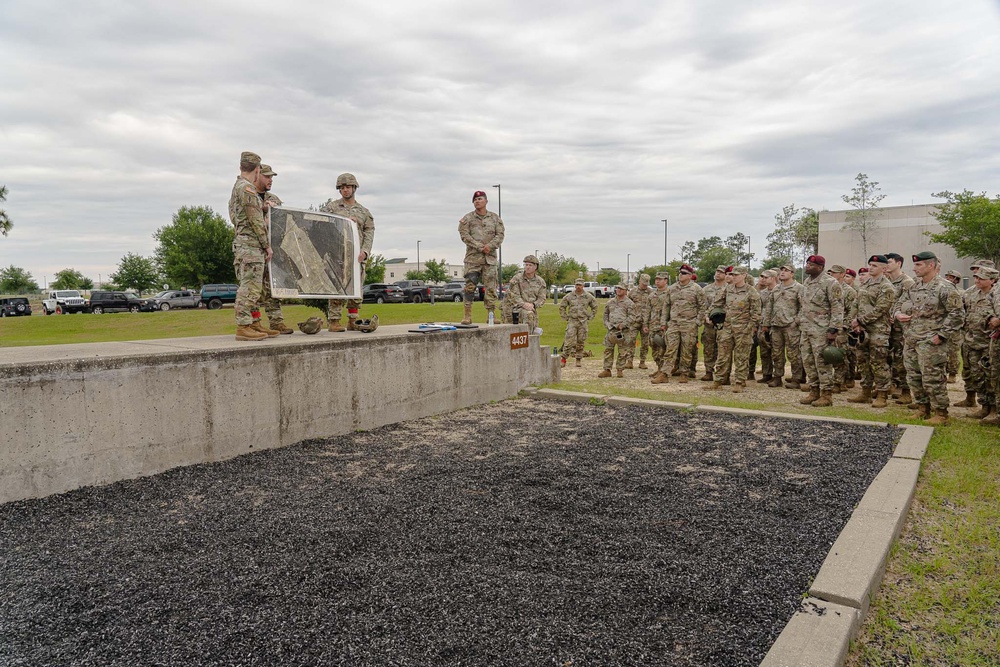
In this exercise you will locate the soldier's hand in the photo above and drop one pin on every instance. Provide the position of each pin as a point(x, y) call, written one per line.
point(903, 317)
point(936, 340)
point(362, 256)
point(765, 329)
point(486, 250)
point(269, 253)
point(645, 330)
point(994, 322)
point(831, 337)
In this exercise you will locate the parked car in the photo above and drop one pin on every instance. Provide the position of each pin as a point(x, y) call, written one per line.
point(415, 291)
point(214, 295)
point(598, 290)
point(568, 288)
point(14, 306)
point(381, 293)
point(102, 301)
point(450, 292)
point(168, 299)
point(64, 301)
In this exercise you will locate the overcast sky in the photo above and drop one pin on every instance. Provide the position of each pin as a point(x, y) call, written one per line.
point(598, 119)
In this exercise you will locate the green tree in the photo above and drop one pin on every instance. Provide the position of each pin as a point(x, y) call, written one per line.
point(971, 224)
point(413, 274)
point(609, 277)
point(196, 248)
point(795, 237)
point(436, 271)
point(86, 284)
point(136, 272)
point(68, 279)
point(864, 198)
point(375, 269)
point(740, 245)
point(5, 222)
point(570, 270)
point(15, 280)
point(509, 271)
point(807, 232)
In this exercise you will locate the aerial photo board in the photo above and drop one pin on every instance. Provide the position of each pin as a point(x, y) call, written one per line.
point(315, 255)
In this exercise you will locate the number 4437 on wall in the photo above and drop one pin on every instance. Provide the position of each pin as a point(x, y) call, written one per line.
point(518, 340)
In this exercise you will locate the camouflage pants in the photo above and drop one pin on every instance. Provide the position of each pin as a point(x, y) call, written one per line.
point(633, 333)
point(978, 364)
point(575, 339)
point(926, 373)
point(249, 264)
point(873, 360)
point(643, 339)
point(954, 345)
point(819, 374)
point(682, 338)
point(335, 307)
point(733, 345)
point(840, 370)
point(994, 370)
point(709, 345)
point(658, 352)
point(271, 305)
point(896, 346)
point(964, 350)
point(488, 274)
point(763, 347)
point(852, 362)
point(786, 340)
point(624, 345)
point(525, 317)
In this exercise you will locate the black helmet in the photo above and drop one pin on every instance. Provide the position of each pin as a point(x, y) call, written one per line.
point(717, 316)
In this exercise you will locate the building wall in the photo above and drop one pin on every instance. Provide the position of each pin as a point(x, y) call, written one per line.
point(396, 272)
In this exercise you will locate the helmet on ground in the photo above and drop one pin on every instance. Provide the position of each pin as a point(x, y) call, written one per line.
point(717, 316)
point(832, 355)
point(532, 259)
point(367, 326)
point(311, 326)
point(347, 179)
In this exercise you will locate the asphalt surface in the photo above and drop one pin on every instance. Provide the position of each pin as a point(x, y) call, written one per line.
point(519, 533)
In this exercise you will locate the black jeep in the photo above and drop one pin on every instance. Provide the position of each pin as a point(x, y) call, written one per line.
point(14, 306)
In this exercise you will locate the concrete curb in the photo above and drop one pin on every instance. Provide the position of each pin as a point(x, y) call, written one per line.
point(817, 636)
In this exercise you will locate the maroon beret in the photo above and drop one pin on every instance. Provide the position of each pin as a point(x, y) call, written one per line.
point(816, 259)
point(687, 267)
point(851, 272)
point(478, 193)
point(863, 269)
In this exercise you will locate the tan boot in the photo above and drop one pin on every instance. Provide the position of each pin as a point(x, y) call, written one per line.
point(629, 365)
point(279, 326)
point(737, 388)
point(578, 363)
point(920, 411)
point(270, 333)
point(813, 395)
point(683, 378)
point(793, 384)
point(717, 384)
point(992, 419)
point(904, 396)
point(849, 384)
point(335, 327)
point(969, 402)
point(838, 388)
point(247, 332)
point(940, 418)
point(642, 365)
point(707, 377)
point(660, 378)
point(351, 324)
point(825, 399)
point(864, 397)
point(774, 383)
point(881, 399)
point(726, 382)
point(983, 413)
point(604, 374)
point(621, 373)
point(467, 314)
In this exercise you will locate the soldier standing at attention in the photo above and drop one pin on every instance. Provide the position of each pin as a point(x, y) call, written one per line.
point(657, 321)
point(742, 305)
point(978, 312)
point(850, 278)
point(482, 232)
point(687, 308)
point(897, 340)
point(348, 207)
point(765, 287)
point(617, 316)
point(821, 316)
point(932, 310)
point(781, 317)
point(275, 319)
point(862, 276)
point(251, 246)
point(578, 308)
point(955, 344)
point(638, 330)
point(709, 346)
point(527, 293)
point(872, 316)
point(843, 375)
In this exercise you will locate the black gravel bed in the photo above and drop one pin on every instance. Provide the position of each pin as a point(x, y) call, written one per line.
point(519, 533)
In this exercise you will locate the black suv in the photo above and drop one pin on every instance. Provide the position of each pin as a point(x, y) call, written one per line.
point(14, 306)
point(381, 293)
point(213, 296)
point(113, 302)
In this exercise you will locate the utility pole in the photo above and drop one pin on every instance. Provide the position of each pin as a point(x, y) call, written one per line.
point(664, 243)
point(500, 250)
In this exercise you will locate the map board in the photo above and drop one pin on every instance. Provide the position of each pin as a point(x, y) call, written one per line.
point(315, 255)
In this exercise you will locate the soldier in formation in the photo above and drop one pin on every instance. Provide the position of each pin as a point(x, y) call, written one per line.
point(686, 309)
point(843, 373)
point(251, 247)
point(657, 318)
point(618, 315)
point(979, 310)
point(870, 323)
point(578, 308)
point(709, 335)
point(743, 313)
point(348, 207)
point(275, 318)
point(762, 341)
point(781, 321)
point(482, 232)
point(821, 317)
point(900, 282)
point(527, 294)
point(638, 330)
point(955, 344)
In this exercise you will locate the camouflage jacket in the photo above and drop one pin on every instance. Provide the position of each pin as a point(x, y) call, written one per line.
point(479, 231)
point(742, 306)
point(618, 313)
point(873, 308)
point(640, 297)
point(710, 291)
point(658, 313)
point(527, 290)
point(850, 303)
point(578, 307)
point(821, 303)
point(687, 303)
point(935, 308)
point(766, 302)
point(783, 309)
point(978, 307)
point(247, 215)
point(361, 216)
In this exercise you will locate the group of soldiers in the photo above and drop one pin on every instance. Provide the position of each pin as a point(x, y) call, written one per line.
point(900, 336)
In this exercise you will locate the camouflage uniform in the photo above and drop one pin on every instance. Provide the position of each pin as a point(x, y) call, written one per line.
point(686, 309)
point(527, 290)
point(979, 308)
point(955, 342)
point(873, 311)
point(271, 305)
point(617, 316)
point(709, 335)
point(936, 309)
point(742, 306)
point(897, 337)
point(478, 231)
point(845, 371)
point(763, 344)
point(640, 297)
point(362, 217)
point(821, 309)
point(657, 319)
point(578, 310)
point(250, 246)
point(782, 318)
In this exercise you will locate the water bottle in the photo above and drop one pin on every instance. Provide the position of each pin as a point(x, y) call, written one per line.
point(491, 318)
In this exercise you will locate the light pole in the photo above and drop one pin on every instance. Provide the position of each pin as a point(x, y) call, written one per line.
point(499, 250)
point(628, 272)
point(418, 256)
point(664, 243)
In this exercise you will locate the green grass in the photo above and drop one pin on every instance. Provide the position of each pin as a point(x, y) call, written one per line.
point(940, 601)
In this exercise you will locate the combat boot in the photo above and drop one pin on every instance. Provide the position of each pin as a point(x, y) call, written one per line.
point(606, 373)
point(467, 315)
point(825, 399)
point(813, 395)
point(881, 399)
point(578, 363)
point(279, 326)
point(992, 419)
point(642, 364)
point(850, 383)
point(717, 384)
point(983, 413)
point(675, 372)
point(751, 375)
point(793, 384)
point(774, 383)
point(764, 379)
point(952, 379)
point(737, 388)
point(270, 333)
point(660, 378)
point(352, 324)
point(621, 374)
point(726, 382)
point(969, 402)
point(684, 378)
point(628, 366)
point(864, 397)
point(940, 418)
point(335, 327)
point(838, 388)
point(707, 377)
point(655, 373)
point(904, 396)
point(247, 332)
point(920, 411)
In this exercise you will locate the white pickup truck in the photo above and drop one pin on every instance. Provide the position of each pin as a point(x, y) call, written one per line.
point(598, 290)
point(64, 301)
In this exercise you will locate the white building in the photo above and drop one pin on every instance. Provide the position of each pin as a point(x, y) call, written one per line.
point(397, 268)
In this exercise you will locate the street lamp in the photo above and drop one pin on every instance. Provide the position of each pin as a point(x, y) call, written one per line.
point(418, 256)
point(499, 250)
point(628, 272)
point(664, 243)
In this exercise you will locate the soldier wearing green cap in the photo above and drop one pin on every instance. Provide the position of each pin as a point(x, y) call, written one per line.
point(638, 328)
point(709, 335)
point(687, 308)
point(657, 322)
point(743, 313)
point(577, 308)
point(527, 293)
point(618, 313)
point(251, 246)
point(780, 319)
point(979, 310)
point(275, 318)
point(348, 207)
point(843, 373)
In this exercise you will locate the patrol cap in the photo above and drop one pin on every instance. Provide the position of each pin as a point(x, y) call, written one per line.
point(836, 268)
point(530, 258)
point(769, 273)
point(878, 259)
point(740, 270)
point(720, 267)
point(984, 262)
point(851, 272)
point(924, 256)
point(479, 193)
point(954, 274)
point(816, 259)
point(663, 274)
point(251, 158)
point(686, 268)
point(265, 170)
point(787, 267)
point(621, 286)
point(988, 272)
point(578, 281)
point(644, 279)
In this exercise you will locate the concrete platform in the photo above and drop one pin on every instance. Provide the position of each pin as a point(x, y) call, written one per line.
point(819, 635)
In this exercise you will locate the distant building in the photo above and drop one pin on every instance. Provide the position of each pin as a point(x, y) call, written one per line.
point(397, 268)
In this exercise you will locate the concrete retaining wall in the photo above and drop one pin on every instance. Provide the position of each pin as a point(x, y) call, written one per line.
point(77, 415)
